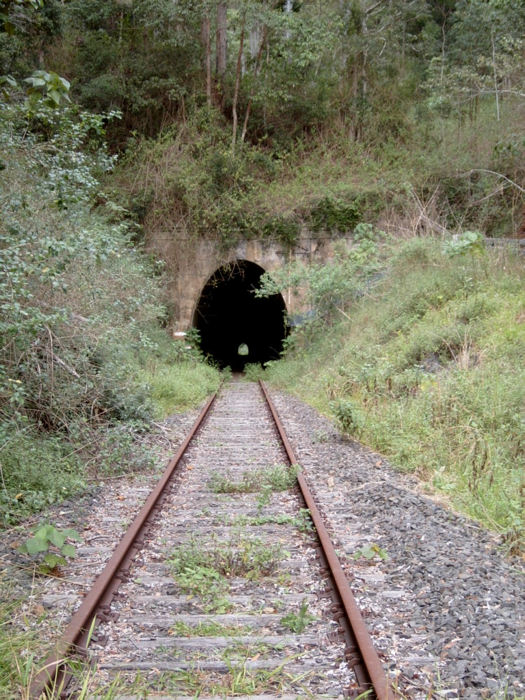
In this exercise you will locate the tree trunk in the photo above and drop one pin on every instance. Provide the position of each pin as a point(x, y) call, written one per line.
point(221, 40)
point(206, 42)
point(255, 41)
point(256, 73)
point(443, 45)
point(495, 75)
point(237, 82)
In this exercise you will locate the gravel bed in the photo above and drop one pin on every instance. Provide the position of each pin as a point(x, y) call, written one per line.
point(140, 644)
point(445, 607)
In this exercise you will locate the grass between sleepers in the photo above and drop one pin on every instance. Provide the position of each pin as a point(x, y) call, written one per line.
point(178, 387)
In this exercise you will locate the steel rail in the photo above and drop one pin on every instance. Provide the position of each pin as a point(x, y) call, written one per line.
point(76, 634)
point(372, 664)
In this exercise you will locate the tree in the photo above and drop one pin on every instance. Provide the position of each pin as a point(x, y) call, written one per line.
point(206, 42)
point(484, 58)
point(286, 69)
point(379, 46)
point(27, 27)
point(222, 26)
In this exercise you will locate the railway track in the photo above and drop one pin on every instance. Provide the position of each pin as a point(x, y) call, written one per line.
point(226, 584)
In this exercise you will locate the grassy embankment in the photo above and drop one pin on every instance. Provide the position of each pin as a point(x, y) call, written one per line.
point(429, 369)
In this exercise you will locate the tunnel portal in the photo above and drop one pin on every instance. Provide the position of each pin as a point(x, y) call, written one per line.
point(237, 328)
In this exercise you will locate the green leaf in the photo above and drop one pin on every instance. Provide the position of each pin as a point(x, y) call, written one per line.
point(56, 537)
point(69, 551)
point(44, 532)
point(54, 96)
point(35, 82)
point(72, 534)
point(8, 80)
point(53, 560)
point(35, 544)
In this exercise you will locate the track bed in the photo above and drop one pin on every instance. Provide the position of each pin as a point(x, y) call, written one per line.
point(228, 596)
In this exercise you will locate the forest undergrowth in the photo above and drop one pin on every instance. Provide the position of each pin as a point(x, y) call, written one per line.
point(449, 174)
point(83, 311)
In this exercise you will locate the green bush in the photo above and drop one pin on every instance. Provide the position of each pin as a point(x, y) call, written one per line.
point(332, 215)
point(347, 415)
point(284, 229)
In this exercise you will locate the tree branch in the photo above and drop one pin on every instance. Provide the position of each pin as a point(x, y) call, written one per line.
point(371, 9)
point(63, 364)
point(493, 172)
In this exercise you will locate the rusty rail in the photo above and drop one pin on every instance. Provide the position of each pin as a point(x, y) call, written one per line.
point(76, 634)
point(371, 670)
point(54, 675)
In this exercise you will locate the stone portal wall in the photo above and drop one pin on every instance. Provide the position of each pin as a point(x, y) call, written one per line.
point(205, 257)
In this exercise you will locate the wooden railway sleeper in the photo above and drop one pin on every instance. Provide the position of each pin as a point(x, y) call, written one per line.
point(353, 653)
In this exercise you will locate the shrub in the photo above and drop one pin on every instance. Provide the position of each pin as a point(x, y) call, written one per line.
point(332, 215)
point(467, 242)
point(347, 415)
point(284, 229)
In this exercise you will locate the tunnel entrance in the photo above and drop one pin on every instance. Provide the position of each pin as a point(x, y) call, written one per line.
point(237, 328)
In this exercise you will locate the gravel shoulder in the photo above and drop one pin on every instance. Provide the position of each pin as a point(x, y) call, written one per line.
point(444, 606)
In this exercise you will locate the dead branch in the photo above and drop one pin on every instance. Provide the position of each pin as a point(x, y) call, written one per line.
point(63, 364)
point(493, 172)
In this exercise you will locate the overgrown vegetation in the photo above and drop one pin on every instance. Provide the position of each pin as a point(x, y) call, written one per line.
point(205, 572)
point(426, 365)
point(180, 386)
point(278, 477)
point(81, 316)
point(453, 174)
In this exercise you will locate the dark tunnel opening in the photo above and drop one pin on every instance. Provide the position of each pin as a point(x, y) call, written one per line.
point(237, 328)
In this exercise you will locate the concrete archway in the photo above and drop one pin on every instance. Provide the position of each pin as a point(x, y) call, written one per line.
point(235, 326)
